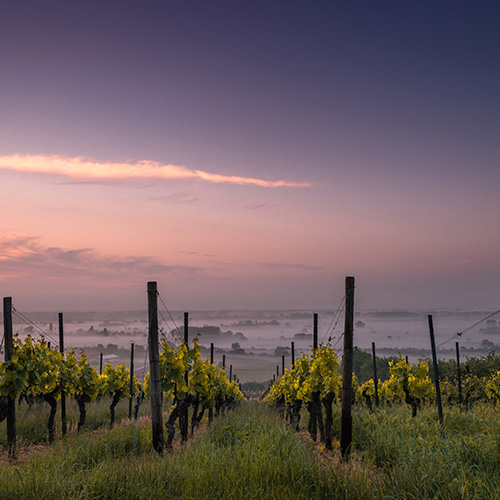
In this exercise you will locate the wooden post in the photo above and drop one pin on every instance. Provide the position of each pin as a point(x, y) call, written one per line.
point(211, 410)
point(347, 362)
point(315, 332)
point(293, 354)
point(186, 339)
point(183, 407)
point(186, 328)
point(313, 405)
point(406, 358)
point(154, 367)
point(277, 370)
point(64, 423)
point(459, 374)
point(100, 365)
point(230, 373)
point(223, 361)
point(375, 378)
point(9, 351)
point(131, 399)
point(436, 372)
point(282, 364)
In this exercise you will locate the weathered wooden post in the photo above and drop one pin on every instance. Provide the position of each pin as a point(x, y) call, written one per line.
point(186, 337)
point(315, 405)
point(186, 341)
point(211, 410)
point(100, 364)
point(64, 424)
point(223, 361)
point(9, 351)
point(459, 374)
point(282, 364)
point(230, 373)
point(315, 332)
point(293, 354)
point(347, 362)
point(154, 367)
point(183, 410)
point(131, 399)
point(375, 378)
point(277, 370)
point(436, 372)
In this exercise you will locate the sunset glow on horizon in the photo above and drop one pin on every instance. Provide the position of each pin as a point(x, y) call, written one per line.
point(249, 155)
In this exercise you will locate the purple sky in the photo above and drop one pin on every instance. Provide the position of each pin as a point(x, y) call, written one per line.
point(142, 140)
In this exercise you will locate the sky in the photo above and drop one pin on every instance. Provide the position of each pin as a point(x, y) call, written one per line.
point(249, 154)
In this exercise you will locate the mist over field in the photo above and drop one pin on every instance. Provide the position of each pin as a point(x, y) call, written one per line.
point(253, 342)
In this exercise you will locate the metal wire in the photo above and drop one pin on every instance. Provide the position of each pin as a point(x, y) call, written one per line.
point(31, 323)
point(336, 317)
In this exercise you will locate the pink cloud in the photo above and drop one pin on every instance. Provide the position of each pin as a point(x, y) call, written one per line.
point(82, 168)
point(26, 257)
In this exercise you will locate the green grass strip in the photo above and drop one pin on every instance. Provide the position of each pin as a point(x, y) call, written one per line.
point(248, 454)
point(252, 454)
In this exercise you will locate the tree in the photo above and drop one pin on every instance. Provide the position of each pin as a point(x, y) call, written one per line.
point(237, 349)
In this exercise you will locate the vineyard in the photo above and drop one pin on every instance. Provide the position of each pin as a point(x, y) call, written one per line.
point(288, 443)
point(37, 373)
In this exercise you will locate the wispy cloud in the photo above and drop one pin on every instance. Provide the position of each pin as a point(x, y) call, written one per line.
point(87, 169)
point(180, 197)
point(261, 206)
point(289, 267)
point(25, 257)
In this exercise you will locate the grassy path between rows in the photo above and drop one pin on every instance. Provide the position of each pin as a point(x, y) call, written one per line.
point(252, 454)
point(248, 454)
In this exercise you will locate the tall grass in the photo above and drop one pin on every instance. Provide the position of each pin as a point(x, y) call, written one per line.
point(252, 454)
point(419, 458)
point(248, 454)
point(31, 423)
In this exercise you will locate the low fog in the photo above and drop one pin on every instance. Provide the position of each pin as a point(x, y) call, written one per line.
point(253, 342)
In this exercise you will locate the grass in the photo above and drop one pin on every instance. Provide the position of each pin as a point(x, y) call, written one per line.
point(249, 454)
point(31, 423)
point(419, 458)
point(252, 454)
